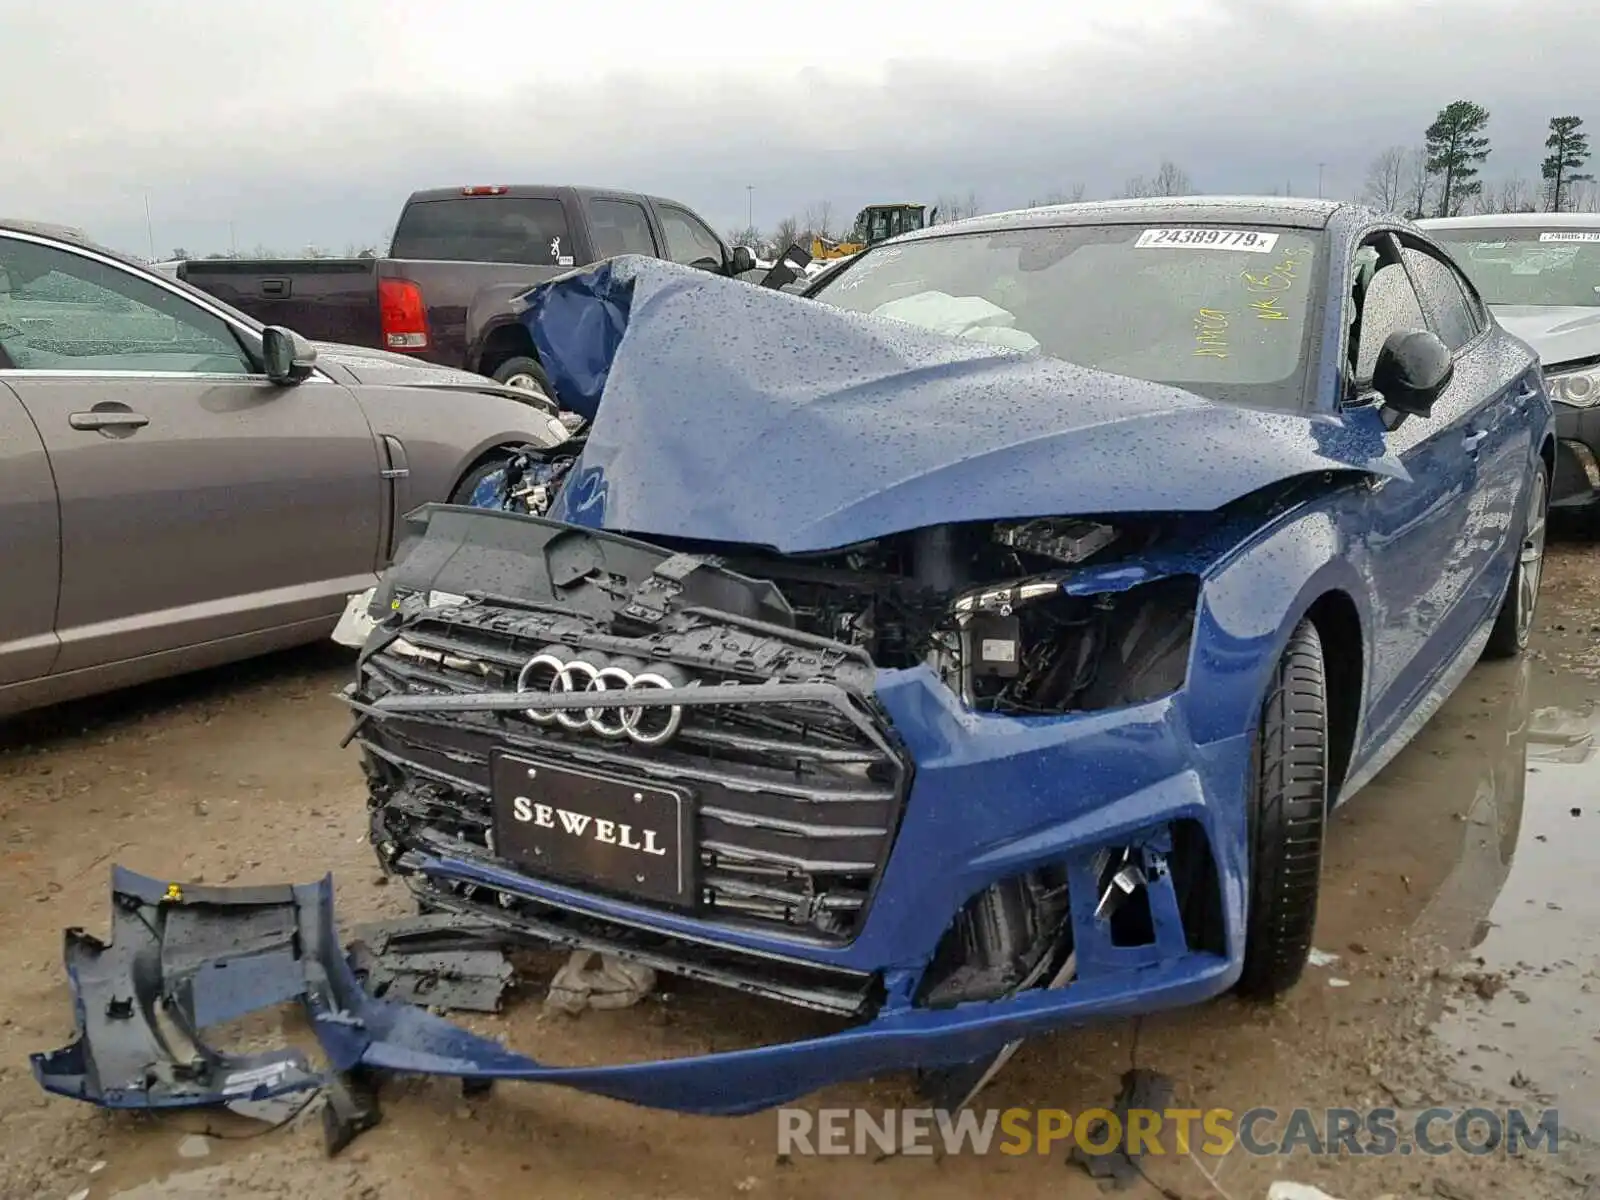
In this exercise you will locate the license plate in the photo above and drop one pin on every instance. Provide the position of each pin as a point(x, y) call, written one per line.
point(590, 827)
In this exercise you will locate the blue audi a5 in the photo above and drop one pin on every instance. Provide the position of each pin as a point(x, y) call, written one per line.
point(971, 647)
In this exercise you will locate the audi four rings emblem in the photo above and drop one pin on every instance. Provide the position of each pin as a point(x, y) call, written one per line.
point(552, 670)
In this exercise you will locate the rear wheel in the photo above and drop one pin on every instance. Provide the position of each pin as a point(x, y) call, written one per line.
point(1514, 623)
point(1287, 819)
point(523, 373)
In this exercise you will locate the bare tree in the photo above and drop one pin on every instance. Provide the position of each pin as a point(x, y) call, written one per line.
point(954, 208)
point(787, 233)
point(1072, 195)
point(1419, 182)
point(819, 219)
point(1169, 180)
point(1583, 196)
point(1172, 180)
point(1514, 195)
point(1385, 185)
point(748, 236)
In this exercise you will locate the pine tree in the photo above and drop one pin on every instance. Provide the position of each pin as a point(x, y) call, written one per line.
point(1569, 150)
point(1457, 144)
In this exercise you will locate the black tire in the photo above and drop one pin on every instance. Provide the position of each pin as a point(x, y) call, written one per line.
point(480, 471)
point(1513, 624)
point(1287, 819)
point(514, 370)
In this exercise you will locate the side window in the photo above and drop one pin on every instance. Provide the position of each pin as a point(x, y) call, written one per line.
point(63, 312)
point(620, 227)
point(1454, 316)
point(688, 239)
point(1390, 305)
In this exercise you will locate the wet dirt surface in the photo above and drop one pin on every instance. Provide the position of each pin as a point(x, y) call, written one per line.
point(1459, 900)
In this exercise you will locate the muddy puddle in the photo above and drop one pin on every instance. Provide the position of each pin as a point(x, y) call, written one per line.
point(1529, 880)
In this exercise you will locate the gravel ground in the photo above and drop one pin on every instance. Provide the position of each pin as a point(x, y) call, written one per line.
point(1465, 970)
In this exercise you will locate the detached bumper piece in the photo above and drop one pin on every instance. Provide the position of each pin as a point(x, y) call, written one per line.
point(185, 959)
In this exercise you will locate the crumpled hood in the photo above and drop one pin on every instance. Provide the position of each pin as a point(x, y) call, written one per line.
point(730, 413)
point(1558, 334)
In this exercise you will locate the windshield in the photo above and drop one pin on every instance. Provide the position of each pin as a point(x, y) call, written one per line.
point(1219, 311)
point(1541, 267)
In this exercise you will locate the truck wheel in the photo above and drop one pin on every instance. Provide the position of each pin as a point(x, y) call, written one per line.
point(524, 373)
point(1514, 623)
point(1288, 811)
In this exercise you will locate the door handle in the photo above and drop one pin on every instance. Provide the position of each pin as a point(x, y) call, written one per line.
point(1472, 441)
point(113, 419)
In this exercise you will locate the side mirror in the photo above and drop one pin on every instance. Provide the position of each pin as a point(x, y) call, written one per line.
point(289, 358)
point(741, 261)
point(1412, 369)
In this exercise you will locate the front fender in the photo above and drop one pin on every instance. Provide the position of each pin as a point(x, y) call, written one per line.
point(445, 433)
point(1252, 600)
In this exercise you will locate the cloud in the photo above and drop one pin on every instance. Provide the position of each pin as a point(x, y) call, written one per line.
point(300, 123)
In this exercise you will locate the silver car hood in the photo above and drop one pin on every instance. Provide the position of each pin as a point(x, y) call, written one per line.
point(1558, 334)
point(368, 366)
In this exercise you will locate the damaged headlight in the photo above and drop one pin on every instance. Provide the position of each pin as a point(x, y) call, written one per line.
point(1028, 647)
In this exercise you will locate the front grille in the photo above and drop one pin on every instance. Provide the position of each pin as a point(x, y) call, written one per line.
point(796, 801)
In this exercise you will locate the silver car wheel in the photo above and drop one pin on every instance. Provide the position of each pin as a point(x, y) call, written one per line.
point(523, 382)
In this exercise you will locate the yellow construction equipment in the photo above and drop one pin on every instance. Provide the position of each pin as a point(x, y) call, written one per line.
point(874, 223)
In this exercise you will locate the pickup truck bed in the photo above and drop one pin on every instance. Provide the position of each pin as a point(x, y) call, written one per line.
point(459, 257)
point(339, 300)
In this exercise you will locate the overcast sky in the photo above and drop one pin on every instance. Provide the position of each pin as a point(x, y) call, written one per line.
point(310, 120)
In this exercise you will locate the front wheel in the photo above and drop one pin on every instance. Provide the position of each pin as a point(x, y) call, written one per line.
point(1513, 625)
point(1287, 819)
point(474, 478)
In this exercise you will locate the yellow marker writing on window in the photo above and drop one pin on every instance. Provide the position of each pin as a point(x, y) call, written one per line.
point(1211, 333)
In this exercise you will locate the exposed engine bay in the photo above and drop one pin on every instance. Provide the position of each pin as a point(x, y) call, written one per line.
point(980, 602)
point(983, 604)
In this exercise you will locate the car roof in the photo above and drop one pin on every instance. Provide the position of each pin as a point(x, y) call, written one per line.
point(1518, 220)
point(1288, 211)
point(514, 191)
point(62, 233)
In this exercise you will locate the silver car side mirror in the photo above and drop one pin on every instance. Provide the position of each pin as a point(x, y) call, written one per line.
point(289, 358)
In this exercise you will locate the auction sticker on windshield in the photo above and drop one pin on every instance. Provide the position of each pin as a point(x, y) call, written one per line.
point(1571, 235)
point(1208, 239)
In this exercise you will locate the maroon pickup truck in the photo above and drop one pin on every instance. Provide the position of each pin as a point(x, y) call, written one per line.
point(458, 258)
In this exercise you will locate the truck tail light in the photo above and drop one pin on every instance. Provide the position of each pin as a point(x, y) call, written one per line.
point(498, 189)
point(404, 316)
